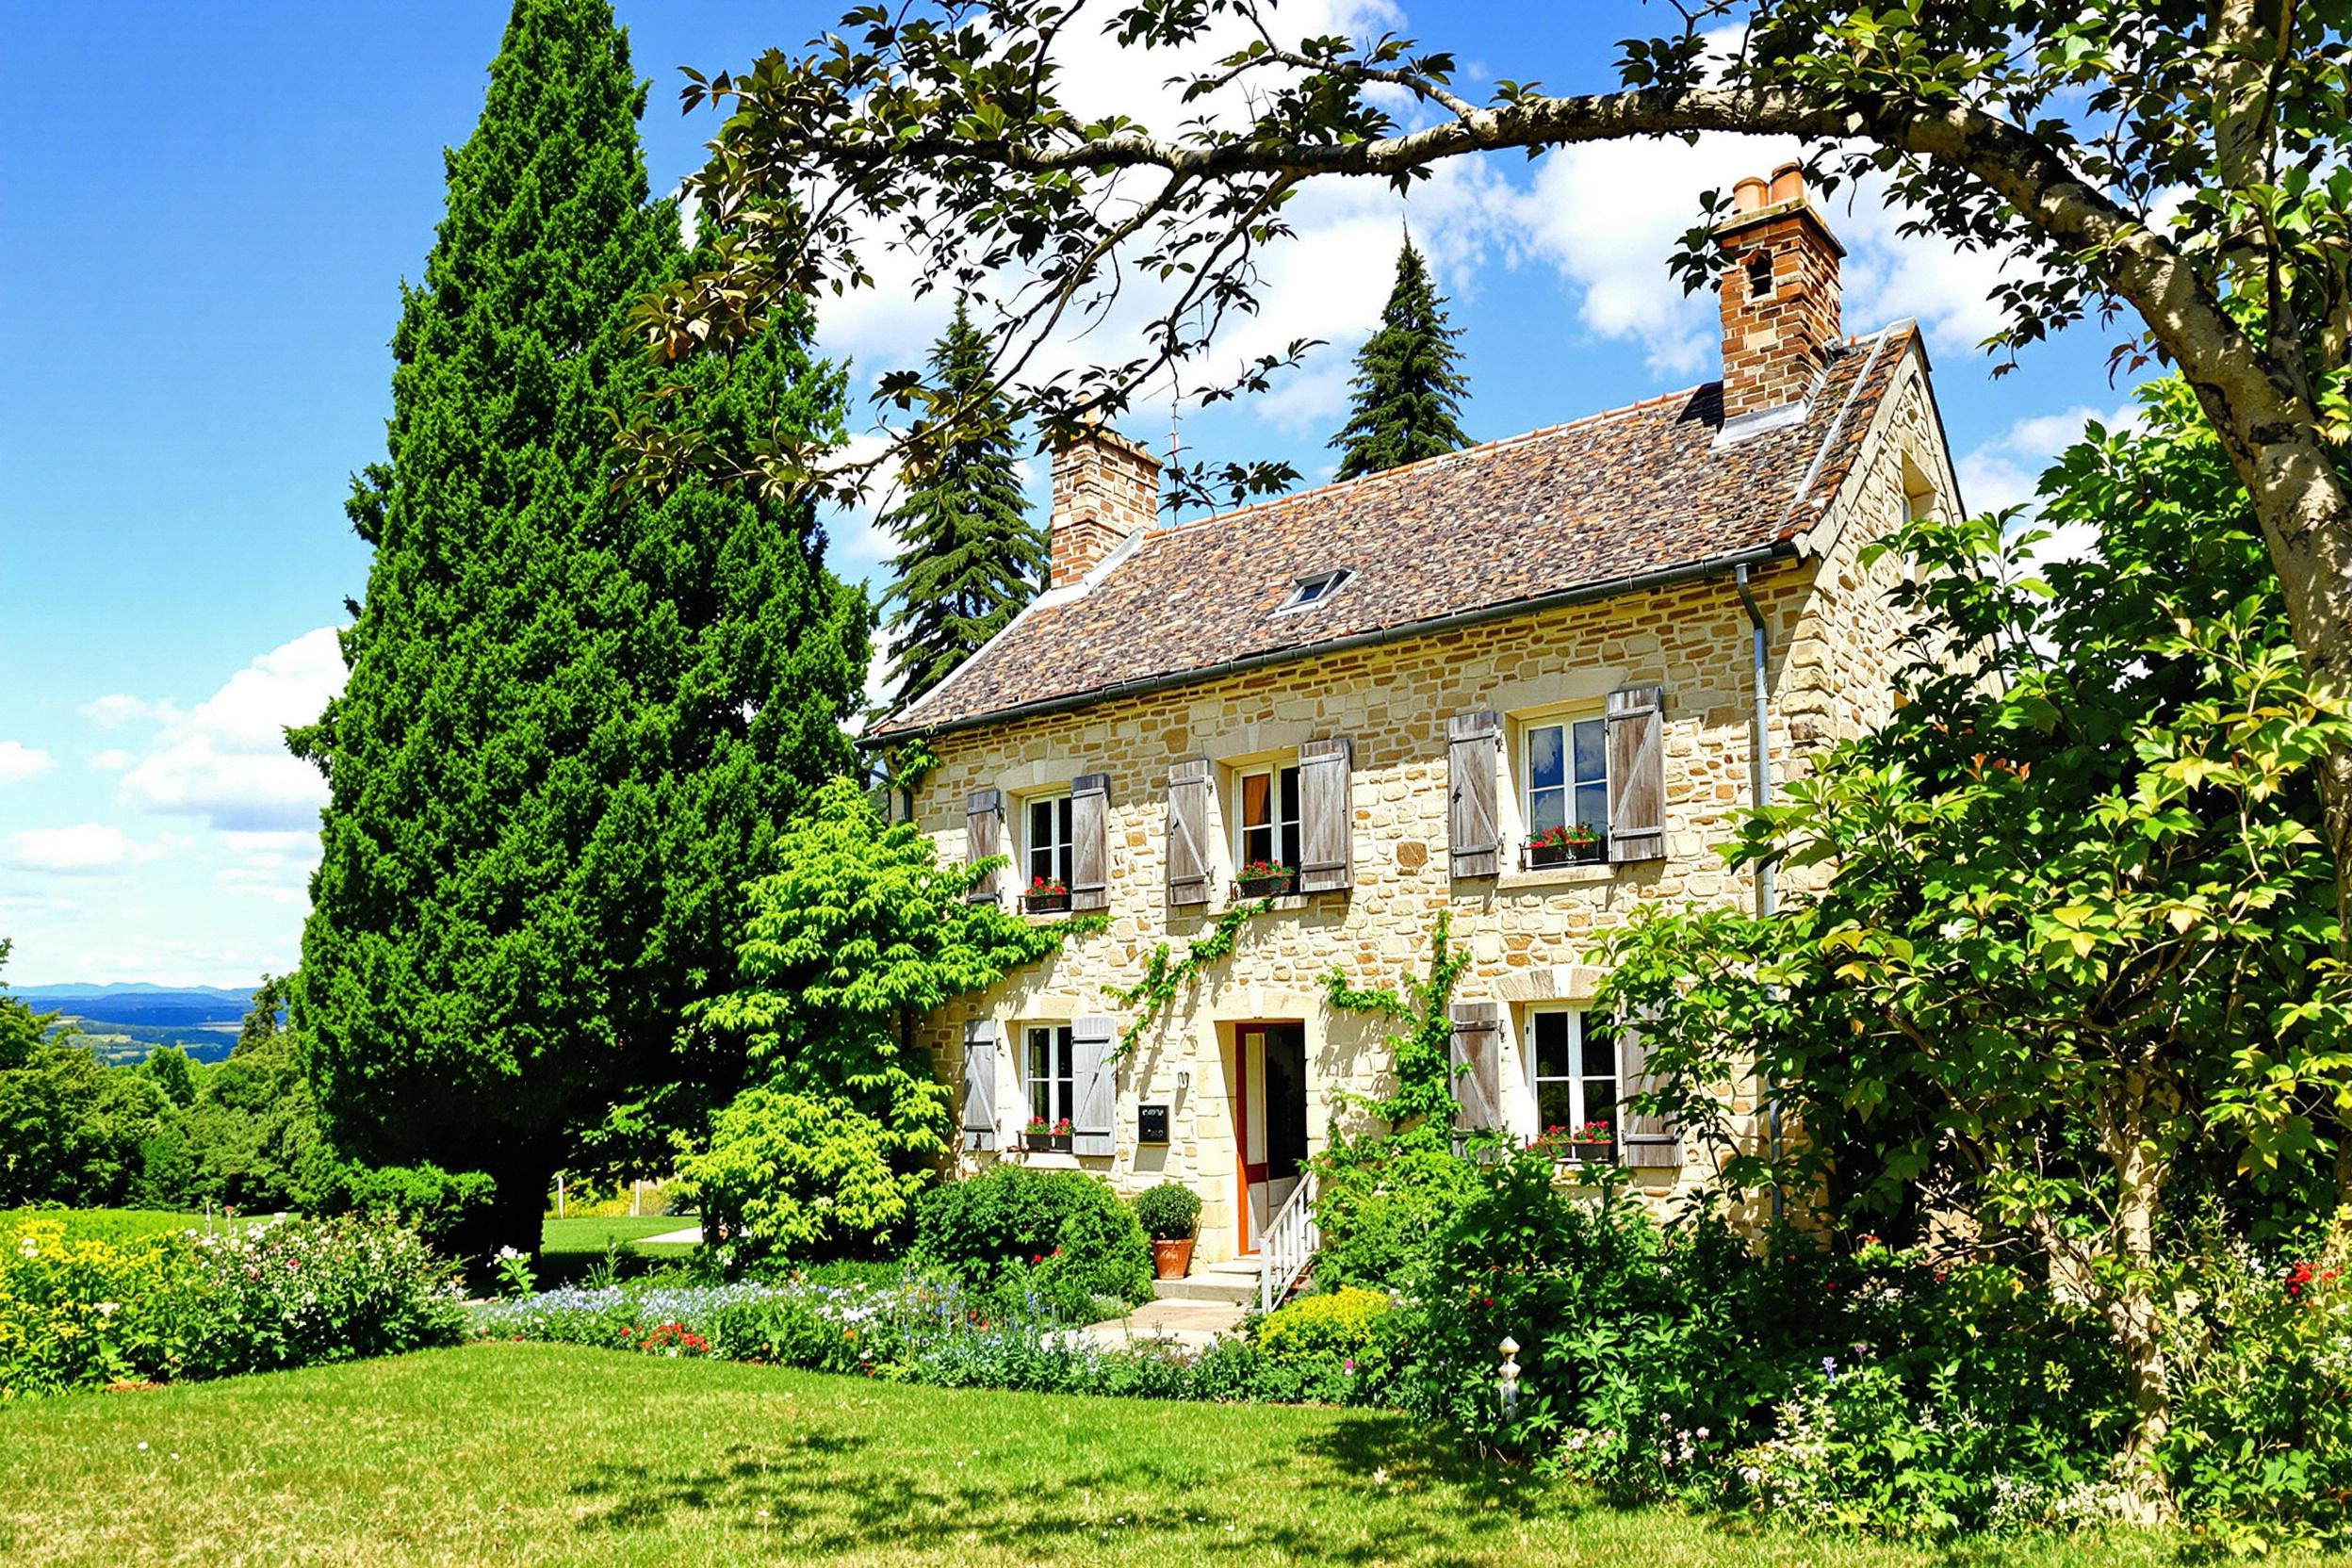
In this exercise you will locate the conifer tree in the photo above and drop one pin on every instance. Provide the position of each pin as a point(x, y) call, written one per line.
point(1407, 393)
point(577, 713)
point(969, 556)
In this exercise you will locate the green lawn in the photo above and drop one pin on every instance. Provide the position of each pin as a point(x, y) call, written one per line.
point(550, 1454)
point(128, 1224)
point(569, 1248)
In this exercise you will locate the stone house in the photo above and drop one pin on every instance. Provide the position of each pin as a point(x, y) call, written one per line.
point(1527, 685)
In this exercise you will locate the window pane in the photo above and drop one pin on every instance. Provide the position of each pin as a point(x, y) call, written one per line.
point(1598, 1058)
point(1600, 1100)
point(1554, 1107)
point(1593, 807)
point(1061, 821)
point(1551, 1045)
point(1543, 758)
point(1290, 795)
point(1256, 797)
point(1290, 845)
point(1591, 750)
point(1546, 809)
point(1257, 845)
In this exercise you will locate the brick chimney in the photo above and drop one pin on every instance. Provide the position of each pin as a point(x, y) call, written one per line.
point(1780, 296)
point(1105, 487)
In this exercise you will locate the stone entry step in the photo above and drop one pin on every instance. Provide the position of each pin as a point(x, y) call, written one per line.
point(1234, 1283)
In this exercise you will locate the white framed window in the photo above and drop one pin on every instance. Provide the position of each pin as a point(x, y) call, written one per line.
point(1045, 840)
point(1572, 1069)
point(1047, 1073)
point(1266, 816)
point(1563, 773)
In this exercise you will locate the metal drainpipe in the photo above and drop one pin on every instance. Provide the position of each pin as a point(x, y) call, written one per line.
point(1760, 791)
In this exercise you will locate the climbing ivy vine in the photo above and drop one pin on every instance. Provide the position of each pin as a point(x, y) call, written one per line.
point(1164, 976)
point(1421, 1044)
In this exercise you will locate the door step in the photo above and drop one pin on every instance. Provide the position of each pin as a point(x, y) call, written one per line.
point(1234, 1283)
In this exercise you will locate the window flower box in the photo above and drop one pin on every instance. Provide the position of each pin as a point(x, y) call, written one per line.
point(1594, 1143)
point(1567, 846)
point(1039, 1138)
point(1265, 879)
point(1046, 897)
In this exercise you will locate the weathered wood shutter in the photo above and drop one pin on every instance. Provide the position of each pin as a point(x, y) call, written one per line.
point(984, 840)
point(1473, 741)
point(1326, 815)
point(1645, 1139)
point(1188, 831)
point(1636, 774)
point(1090, 842)
point(1094, 1087)
point(1477, 1044)
point(980, 1084)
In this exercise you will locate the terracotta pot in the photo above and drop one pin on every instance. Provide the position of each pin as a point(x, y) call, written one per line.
point(1172, 1260)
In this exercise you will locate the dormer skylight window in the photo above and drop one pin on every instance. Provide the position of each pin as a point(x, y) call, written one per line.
point(1312, 591)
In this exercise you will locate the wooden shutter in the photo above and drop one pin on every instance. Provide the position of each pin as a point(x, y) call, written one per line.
point(1646, 1139)
point(1094, 1087)
point(1636, 774)
point(1090, 842)
point(1188, 831)
point(1473, 741)
point(1477, 1044)
point(980, 1084)
point(984, 840)
point(1327, 816)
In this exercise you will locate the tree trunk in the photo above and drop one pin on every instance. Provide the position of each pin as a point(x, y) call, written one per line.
point(519, 1204)
point(2130, 1301)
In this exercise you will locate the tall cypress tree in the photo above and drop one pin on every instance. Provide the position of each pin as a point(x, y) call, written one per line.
point(969, 556)
point(1407, 391)
point(577, 714)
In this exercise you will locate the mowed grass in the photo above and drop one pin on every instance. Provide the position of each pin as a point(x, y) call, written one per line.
point(516, 1453)
point(128, 1224)
point(569, 1248)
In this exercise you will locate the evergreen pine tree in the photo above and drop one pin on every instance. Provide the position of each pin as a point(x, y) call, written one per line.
point(577, 714)
point(969, 556)
point(1407, 390)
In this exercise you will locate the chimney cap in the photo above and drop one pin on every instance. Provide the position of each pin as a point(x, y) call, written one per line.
point(1756, 199)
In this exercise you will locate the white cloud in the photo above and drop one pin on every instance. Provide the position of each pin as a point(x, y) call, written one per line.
point(112, 759)
point(119, 708)
point(90, 846)
point(2002, 472)
point(19, 762)
point(225, 760)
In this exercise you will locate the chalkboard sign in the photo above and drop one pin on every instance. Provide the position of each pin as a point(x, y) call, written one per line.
point(1151, 1124)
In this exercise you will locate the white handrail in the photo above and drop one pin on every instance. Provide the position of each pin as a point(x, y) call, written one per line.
point(1289, 1243)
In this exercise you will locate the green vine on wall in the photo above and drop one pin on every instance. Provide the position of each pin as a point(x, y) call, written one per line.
point(1425, 1077)
point(1163, 975)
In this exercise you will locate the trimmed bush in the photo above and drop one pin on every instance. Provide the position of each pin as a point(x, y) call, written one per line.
point(1034, 1241)
point(449, 1211)
point(1169, 1212)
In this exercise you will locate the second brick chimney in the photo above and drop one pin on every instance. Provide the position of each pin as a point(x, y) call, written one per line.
point(1780, 298)
point(1106, 488)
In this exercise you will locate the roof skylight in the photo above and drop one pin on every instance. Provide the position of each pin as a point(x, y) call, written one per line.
point(1312, 591)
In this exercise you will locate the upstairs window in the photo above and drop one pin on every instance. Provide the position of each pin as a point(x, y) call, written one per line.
point(1047, 843)
point(1567, 776)
point(1572, 1063)
point(1312, 591)
point(1050, 1073)
point(1268, 817)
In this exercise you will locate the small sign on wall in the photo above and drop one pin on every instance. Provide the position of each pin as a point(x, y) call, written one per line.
point(1151, 1124)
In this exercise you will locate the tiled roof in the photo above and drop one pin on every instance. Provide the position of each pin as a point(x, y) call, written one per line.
point(1576, 507)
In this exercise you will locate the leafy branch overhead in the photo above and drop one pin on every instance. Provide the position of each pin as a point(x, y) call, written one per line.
point(2182, 162)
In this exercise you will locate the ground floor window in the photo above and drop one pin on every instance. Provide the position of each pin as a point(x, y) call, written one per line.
point(1572, 1062)
point(1049, 1073)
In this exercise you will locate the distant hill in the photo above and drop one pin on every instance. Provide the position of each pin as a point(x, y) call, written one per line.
point(140, 1003)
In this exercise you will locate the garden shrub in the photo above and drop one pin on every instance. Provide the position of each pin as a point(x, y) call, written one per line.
point(82, 1312)
point(2260, 1351)
point(1169, 1212)
point(299, 1292)
point(1343, 1323)
point(1381, 1203)
point(800, 1176)
point(449, 1211)
point(1030, 1241)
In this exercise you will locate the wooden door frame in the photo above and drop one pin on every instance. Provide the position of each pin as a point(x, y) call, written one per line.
point(1238, 1084)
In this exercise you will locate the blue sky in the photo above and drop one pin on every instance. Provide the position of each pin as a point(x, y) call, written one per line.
point(209, 208)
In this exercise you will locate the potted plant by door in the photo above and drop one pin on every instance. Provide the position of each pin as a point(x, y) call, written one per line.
point(1046, 896)
point(1169, 1214)
point(1580, 845)
point(1266, 879)
point(1043, 1136)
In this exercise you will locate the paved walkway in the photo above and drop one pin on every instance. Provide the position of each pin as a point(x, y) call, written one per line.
point(1192, 1326)
point(690, 1237)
